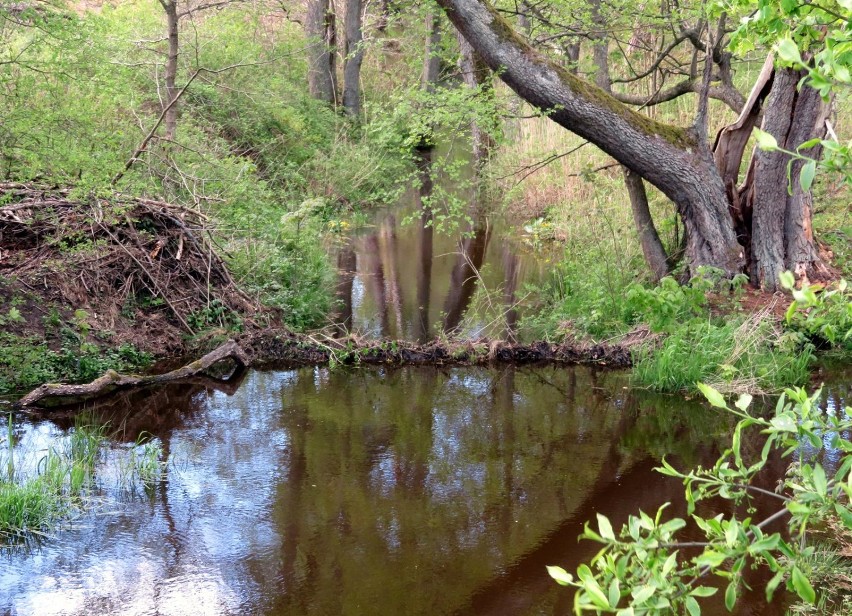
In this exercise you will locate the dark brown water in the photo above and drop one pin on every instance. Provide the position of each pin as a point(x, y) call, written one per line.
point(418, 280)
point(406, 491)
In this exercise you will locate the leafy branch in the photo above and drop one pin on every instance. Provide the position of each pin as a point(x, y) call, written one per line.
point(643, 569)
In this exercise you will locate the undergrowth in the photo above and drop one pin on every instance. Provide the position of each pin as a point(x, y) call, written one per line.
point(28, 361)
point(744, 354)
point(698, 340)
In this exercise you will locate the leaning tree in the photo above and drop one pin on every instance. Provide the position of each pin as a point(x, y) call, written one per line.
point(760, 223)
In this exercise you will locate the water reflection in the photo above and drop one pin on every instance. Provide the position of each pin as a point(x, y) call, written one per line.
point(408, 491)
point(412, 282)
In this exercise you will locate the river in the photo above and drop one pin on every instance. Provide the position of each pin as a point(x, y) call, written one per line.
point(369, 490)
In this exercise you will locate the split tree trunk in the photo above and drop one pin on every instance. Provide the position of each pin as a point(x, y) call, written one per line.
point(782, 236)
point(322, 38)
point(353, 56)
point(669, 157)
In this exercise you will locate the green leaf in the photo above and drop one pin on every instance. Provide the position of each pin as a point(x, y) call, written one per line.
point(643, 593)
point(710, 558)
point(595, 593)
point(743, 402)
point(614, 593)
point(788, 51)
point(670, 563)
point(562, 577)
point(820, 483)
point(713, 396)
point(788, 280)
point(802, 586)
point(731, 596)
point(806, 176)
point(810, 143)
point(764, 545)
point(703, 591)
point(605, 528)
point(692, 606)
point(731, 534)
point(773, 585)
point(765, 141)
point(845, 515)
point(667, 469)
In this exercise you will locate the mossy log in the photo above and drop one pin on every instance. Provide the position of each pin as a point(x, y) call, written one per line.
point(53, 394)
point(274, 348)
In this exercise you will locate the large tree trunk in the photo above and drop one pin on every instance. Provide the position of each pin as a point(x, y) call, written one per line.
point(669, 157)
point(431, 58)
point(782, 236)
point(353, 57)
point(600, 48)
point(322, 34)
point(729, 149)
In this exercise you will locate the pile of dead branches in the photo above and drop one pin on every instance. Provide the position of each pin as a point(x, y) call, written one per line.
point(133, 264)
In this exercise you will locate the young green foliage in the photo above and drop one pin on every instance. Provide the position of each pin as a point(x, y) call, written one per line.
point(642, 570)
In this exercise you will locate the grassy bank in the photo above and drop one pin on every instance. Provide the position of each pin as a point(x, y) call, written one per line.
point(270, 172)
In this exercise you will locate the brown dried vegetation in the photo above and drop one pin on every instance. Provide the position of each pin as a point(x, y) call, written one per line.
point(139, 268)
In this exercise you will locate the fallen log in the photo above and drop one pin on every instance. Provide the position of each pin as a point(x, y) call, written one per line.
point(272, 347)
point(53, 394)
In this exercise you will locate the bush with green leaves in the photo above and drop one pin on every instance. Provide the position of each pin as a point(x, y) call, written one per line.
point(644, 569)
point(823, 315)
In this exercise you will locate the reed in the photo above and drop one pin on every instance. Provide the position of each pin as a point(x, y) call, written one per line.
point(46, 484)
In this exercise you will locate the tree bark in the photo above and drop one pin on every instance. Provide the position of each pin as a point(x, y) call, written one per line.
point(649, 239)
point(170, 7)
point(669, 157)
point(600, 47)
point(353, 52)
point(782, 236)
point(52, 394)
point(431, 58)
point(322, 66)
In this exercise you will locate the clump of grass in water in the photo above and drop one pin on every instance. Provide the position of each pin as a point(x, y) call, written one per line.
point(34, 497)
point(40, 489)
point(143, 465)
